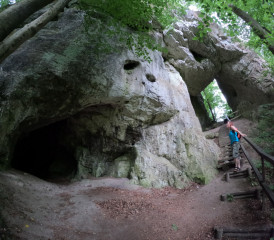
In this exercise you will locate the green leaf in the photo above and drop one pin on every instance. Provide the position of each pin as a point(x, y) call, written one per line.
point(174, 227)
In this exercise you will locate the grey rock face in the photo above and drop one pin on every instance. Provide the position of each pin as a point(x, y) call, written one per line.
point(246, 82)
point(200, 110)
point(116, 115)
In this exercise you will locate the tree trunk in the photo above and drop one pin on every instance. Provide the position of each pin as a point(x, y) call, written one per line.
point(15, 40)
point(212, 113)
point(257, 28)
point(210, 108)
point(14, 15)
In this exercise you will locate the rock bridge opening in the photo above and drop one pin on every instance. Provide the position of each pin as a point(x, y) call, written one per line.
point(44, 153)
point(211, 105)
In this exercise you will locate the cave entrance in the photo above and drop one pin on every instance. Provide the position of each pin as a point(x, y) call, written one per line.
point(43, 153)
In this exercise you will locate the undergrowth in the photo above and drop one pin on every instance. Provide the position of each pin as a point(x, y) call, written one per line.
point(263, 135)
point(269, 172)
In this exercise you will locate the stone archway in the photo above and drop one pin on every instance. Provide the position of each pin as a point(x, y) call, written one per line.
point(242, 75)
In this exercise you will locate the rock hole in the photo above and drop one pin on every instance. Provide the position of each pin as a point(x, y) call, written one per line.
point(197, 56)
point(151, 78)
point(131, 64)
point(44, 154)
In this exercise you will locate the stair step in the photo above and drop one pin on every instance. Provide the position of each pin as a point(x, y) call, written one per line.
point(241, 174)
point(262, 232)
point(248, 194)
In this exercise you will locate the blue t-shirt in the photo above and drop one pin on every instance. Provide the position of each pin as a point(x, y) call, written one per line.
point(233, 137)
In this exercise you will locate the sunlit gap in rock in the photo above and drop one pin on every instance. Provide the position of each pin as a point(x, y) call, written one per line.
point(210, 105)
point(222, 109)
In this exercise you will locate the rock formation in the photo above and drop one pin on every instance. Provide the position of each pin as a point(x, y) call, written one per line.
point(116, 115)
point(241, 74)
point(64, 111)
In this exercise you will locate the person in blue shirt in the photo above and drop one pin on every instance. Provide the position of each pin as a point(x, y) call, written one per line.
point(233, 135)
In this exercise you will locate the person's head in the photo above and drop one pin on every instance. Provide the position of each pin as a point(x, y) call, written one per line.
point(228, 123)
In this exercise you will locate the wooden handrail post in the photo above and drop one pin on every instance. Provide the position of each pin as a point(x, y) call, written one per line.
point(263, 168)
point(261, 176)
point(263, 180)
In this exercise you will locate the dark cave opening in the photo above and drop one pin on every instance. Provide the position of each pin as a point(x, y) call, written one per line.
point(197, 56)
point(44, 154)
point(131, 64)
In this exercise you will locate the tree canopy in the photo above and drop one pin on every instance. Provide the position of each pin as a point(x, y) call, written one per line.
point(135, 13)
point(253, 20)
point(142, 15)
point(257, 14)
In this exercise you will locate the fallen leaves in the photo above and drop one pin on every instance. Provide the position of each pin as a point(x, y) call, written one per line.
point(125, 208)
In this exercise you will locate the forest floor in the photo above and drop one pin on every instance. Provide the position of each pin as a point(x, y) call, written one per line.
point(114, 209)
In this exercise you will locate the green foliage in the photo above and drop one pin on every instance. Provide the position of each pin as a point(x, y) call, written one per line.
point(262, 13)
point(268, 165)
point(6, 3)
point(174, 227)
point(263, 135)
point(221, 12)
point(142, 16)
point(138, 16)
point(213, 101)
point(260, 48)
point(133, 13)
point(253, 181)
point(229, 197)
point(269, 173)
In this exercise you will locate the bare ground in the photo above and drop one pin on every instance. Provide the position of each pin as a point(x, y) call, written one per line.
point(114, 209)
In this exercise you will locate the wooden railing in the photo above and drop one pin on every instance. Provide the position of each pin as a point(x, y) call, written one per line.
point(260, 175)
point(234, 115)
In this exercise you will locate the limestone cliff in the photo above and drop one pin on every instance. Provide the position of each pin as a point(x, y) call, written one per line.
point(63, 109)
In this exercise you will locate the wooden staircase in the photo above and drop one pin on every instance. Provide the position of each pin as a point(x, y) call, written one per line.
point(226, 164)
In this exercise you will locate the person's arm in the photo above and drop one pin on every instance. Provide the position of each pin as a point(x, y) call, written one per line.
point(235, 129)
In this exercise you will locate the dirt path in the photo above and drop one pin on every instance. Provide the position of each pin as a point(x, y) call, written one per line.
point(113, 209)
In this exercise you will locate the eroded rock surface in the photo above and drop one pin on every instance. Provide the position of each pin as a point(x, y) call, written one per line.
point(117, 115)
point(66, 111)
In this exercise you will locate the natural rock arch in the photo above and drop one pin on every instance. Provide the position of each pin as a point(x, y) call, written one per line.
point(242, 75)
